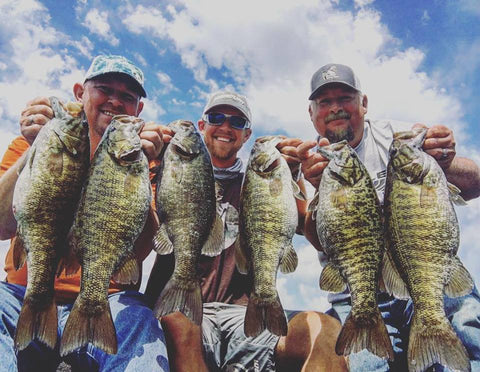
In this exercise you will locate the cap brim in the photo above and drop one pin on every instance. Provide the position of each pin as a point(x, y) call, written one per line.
point(315, 92)
point(140, 89)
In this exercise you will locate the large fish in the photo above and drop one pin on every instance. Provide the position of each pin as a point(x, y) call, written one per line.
point(268, 220)
point(111, 214)
point(423, 236)
point(44, 200)
point(350, 230)
point(189, 223)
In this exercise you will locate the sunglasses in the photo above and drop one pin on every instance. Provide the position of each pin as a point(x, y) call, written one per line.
point(217, 118)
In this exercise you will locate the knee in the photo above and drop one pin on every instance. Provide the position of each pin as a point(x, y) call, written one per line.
point(310, 330)
point(180, 330)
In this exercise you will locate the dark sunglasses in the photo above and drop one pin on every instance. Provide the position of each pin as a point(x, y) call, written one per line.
point(217, 118)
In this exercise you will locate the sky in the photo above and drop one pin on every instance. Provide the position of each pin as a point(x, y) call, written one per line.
point(417, 62)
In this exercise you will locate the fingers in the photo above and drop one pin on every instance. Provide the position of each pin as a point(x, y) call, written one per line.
point(34, 116)
point(288, 148)
point(440, 144)
point(153, 136)
point(313, 163)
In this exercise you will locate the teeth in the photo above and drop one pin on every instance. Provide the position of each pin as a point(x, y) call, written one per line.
point(109, 113)
point(224, 139)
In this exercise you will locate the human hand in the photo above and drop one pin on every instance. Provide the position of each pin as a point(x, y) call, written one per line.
point(34, 116)
point(313, 163)
point(288, 149)
point(153, 137)
point(439, 143)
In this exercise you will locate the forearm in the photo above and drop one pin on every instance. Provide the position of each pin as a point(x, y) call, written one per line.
point(301, 208)
point(310, 231)
point(465, 174)
point(8, 224)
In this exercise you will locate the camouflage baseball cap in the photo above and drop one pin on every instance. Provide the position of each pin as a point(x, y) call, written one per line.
point(229, 99)
point(104, 64)
point(333, 73)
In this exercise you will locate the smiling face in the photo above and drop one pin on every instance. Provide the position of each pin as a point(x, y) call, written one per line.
point(223, 141)
point(338, 112)
point(104, 97)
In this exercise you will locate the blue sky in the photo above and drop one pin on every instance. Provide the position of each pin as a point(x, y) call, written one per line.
point(417, 61)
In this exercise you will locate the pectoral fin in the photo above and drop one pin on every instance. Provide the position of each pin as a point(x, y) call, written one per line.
point(289, 260)
point(215, 243)
point(128, 272)
point(461, 282)
point(161, 241)
point(331, 280)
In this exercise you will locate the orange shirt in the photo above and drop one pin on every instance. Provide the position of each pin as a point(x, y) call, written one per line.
point(66, 287)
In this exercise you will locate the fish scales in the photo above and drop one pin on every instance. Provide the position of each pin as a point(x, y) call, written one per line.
point(423, 235)
point(190, 225)
point(268, 220)
point(111, 214)
point(44, 201)
point(349, 227)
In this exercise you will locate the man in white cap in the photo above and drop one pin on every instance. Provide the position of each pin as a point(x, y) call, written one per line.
point(337, 110)
point(113, 85)
point(220, 343)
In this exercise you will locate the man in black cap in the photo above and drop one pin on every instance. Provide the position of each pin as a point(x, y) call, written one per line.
point(337, 110)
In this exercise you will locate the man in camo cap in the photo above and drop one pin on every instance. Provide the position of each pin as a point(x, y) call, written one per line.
point(113, 85)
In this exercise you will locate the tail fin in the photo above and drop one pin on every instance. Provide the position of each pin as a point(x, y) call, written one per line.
point(34, 323)
point(82, 328)
point(369, 333)
point(178, 297)
point(263, 315)
point(437, 344)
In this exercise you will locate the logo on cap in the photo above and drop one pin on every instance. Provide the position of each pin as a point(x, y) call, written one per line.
point(331, 73)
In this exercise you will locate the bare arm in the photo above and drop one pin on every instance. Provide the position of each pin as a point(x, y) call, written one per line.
point(8, 224)
point(465, 174)
point(462, 172)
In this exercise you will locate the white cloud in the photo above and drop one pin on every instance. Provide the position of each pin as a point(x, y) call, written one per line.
point(165, 82)
point(425, 17)
point(97, 23)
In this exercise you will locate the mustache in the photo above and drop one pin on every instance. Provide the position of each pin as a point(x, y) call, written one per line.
point(337, 116)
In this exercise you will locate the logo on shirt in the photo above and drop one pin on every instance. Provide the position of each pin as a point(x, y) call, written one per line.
point(379, 181)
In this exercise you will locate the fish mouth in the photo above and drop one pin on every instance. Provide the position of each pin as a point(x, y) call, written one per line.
point(131, 156)
point(183, 152)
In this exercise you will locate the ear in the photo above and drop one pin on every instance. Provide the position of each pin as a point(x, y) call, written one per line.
point(201, 125)
point(365, 104)
point(139, 108)
point(310, 111)
point(246, 135)
point(78, 90)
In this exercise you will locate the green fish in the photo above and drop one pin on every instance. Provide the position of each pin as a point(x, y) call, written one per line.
point(350, 230)
point(44, 201)
point(268, 220)
point(189, 223)
point(112, 212)
point(423, 237)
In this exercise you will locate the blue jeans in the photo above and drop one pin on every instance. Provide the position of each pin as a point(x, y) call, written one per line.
point(463, 313)
point(141, 342)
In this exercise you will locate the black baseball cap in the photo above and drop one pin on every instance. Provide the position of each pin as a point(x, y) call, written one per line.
point(333, 73)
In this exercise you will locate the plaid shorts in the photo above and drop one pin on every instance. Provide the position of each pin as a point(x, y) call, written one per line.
point(225, 345)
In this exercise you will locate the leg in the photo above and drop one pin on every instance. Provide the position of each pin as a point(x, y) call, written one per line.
point(140, 338)
point(33, 358)
point(396, 315)
point(464, 314)
point(184, 343)
point(310, 344)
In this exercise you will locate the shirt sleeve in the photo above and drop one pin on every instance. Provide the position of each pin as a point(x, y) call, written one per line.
point(14, 151)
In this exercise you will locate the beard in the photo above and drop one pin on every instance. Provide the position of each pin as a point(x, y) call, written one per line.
point(339, 134)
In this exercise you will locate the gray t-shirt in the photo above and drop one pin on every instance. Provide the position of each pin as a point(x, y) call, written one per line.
point(373, 153)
